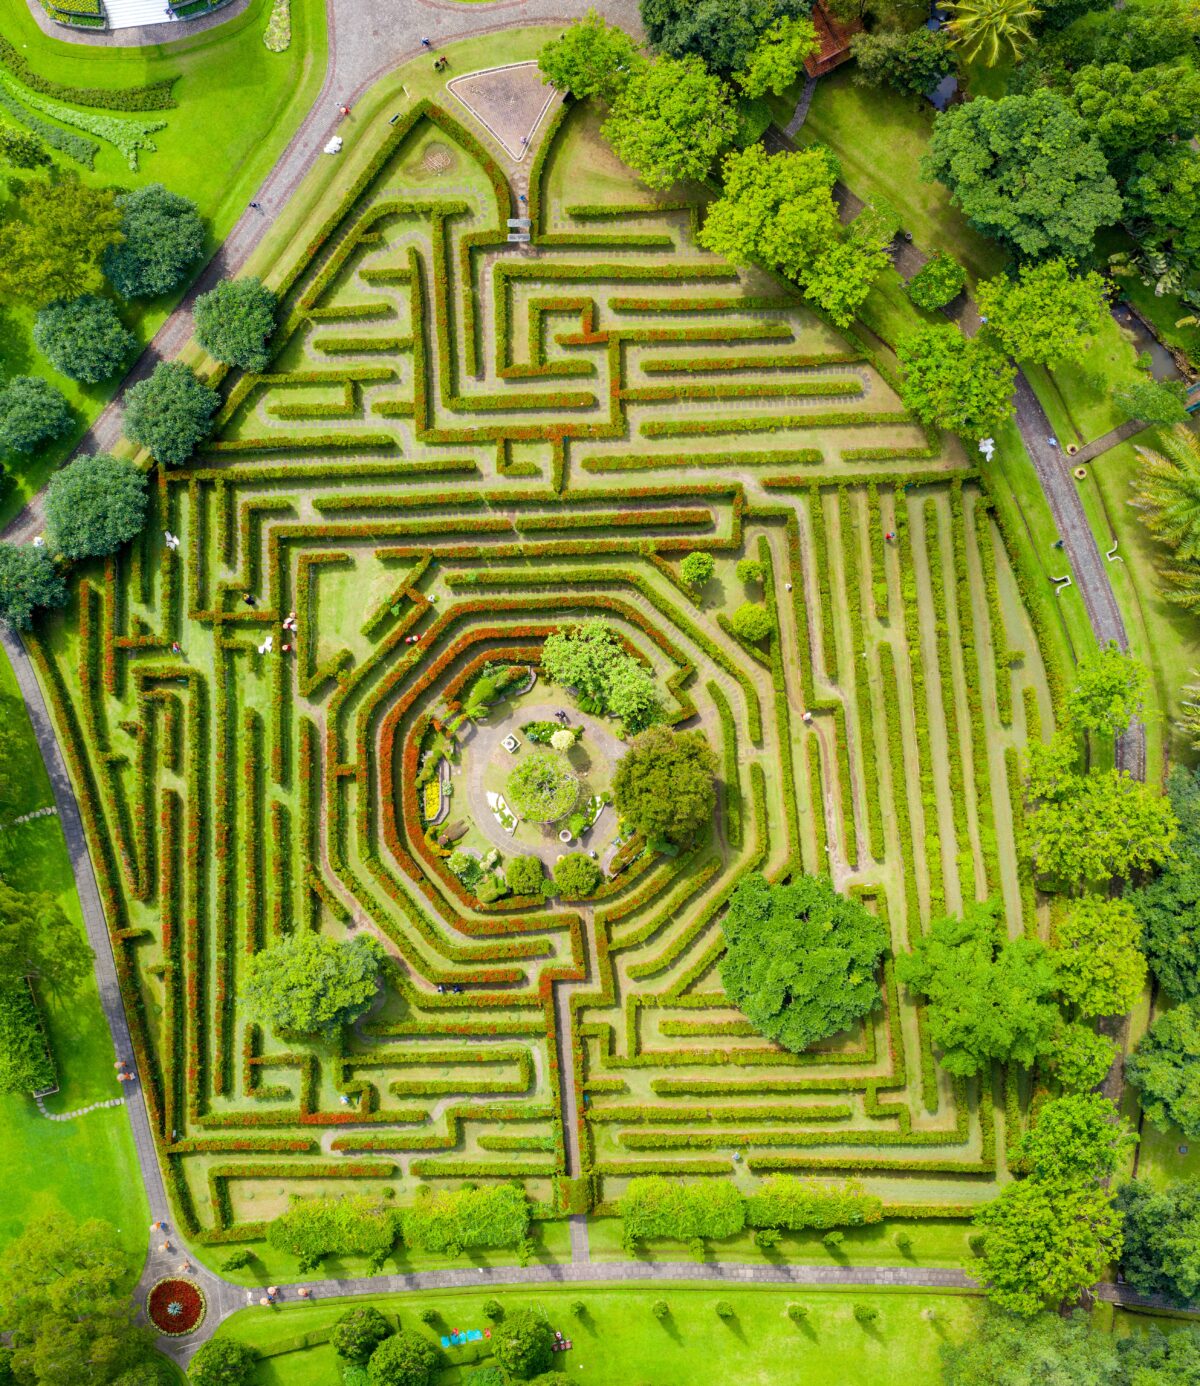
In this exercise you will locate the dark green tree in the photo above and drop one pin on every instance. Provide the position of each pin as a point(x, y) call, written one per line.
point(1162, 195)
point(1155, 1358)
point(1053, 1349)
point(913, 62)
point(664, 785)
point(591, 58)
point(1131, 111)
point(29, 580)
point(38, 940)
point(84, 338)
point(723, 33)
point(954, 382)
point(1168, 905)
point(234, 322)
point(1162, 1238)
point(163, 240)
point(26, 1065)
point(32, 414)
point(801, 961)
point(1165, 1067)
point(19, 149)
point(309, 984)
point(94, 506)
point(222, 1362)
point(359, 1332)
point(404, 1359)
point(524, 1344)
point(170, 413)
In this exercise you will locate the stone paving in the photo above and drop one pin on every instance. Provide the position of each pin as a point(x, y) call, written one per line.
point(78, 1112)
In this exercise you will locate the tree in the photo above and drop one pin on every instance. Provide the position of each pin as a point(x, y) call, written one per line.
point(913, 62)
point(1134, 110)
point(1166, 1068)
point(32, 414)
point(38, 940)
point(1162, 189)
point(1025, 170)
point(524, 875)
point(988, 31)
point(222, 1362)
point(576, 876)
point(52, 240)
point(404, 1359)
point(28, 580)
point(591, 659)
point(723, 33)
point(1077, 1139)
point(234, 322)
point(94, 506)
point(664, 784)
point(696, 570)
point(940, 280)
point(1046, 314)
point(1078, 1057)
point(1057, 1351)
point(1168, 905)
point(1044, 1242)
point(310, 984)
point(841, 276)
point(20, 149)
point(524, 1344)
point(1156, 403)
point(84, 338)
point(801, 961)
point(64, 1298)
point(26, 1065)
point(170, 413)
point(990, 997)
point(1098, 958)
point(359, 1332)
point(1155, 1358)
point(752, 621)
point(954, 382)
point(671, 121)
point(750, 571)
point(1109, 690)
point(163, 239)
point(1162, 1238)
point(778, 57)
point(591, 58)
point(1166, 491)
point(775, 208)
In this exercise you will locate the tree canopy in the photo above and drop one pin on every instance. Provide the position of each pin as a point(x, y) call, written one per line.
point(777, 59)
point(29, 580)
point(163, 238)
point(346, 1225)
point(576, 876)
point(1165, 1067)
point(1162, 1238)
point(84, 338)
point(404, 1359)
point(170, 413)
point(523, 1343)
point(664, 785)
point(1050, 1349)
point(222, 1362)
point(1080, 1138)
point(1133, 110)
point(913, 62)
point(591, 659)
point(955, 382)
point(94, 506)
point(724, 33)
point(457, 1220)
point(1098, 957)
point(1168, 905)
point(801, 961)
point(52, 240)
point(234, 322)
point(590, 58)
point(38, 940)
point(32, 413)
point(359, 1332)
point(311, 984)
point(1109, 691)
point(1045, 314)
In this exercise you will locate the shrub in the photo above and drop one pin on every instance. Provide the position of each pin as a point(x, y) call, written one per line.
point(865, 1313)
point(724, 1309)
point(797, 1312)
point(428, 1316)
point(750, 570)
point(578, 1308)
point(29, 579)
point(350, 1225)
point(752, 621)
point(494, 1216)
point(938, 281)
point(665, 784)
point(543, 788)
point(833, 1240)
point(234, 322)
point(655, 1206)
point(32, 414)
point(359, 1332)
point(523, 1344)
point(785, 1201)
point(404, 1359)
point(903, 1243)
point(576, 876)
point(94, 506)
point(661, 1309)
point(493, 1309)
point(237, 1260)
point(170, 413)
point(84, 338)
point(767, 1238)
point(25, 1062)
point(310, 984)
point(222, 1362)
point(164, 237)
point(696, 570)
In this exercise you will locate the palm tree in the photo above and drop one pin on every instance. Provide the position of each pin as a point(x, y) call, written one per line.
point(984, 29)
point(1167, 492)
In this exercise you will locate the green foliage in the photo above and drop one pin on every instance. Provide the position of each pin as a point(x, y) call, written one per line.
point(724, 1309)
point(542, 787)
point(591, 659)
point(913, 62)
point(1098, 958)
point(1162, 1238)
point(1167, 493)
point(664, 785)
point(576, 876)
point(654, 1206)
point(52, 237)
point(662, 1310)
point(222, 1362)
point(1168, 905)
point(32, 413)
point(461, 1219)
point(350, 1225)
point(1076, 1139)
point(1046, 314)
point(839, 279)
point(21, 150)
point(29, 580)
point(778, 58)
point(1162, 191)
point(783, 1201)
point(723, 33)
point(1155, 1358)
point(234, 322)
point(1056, 1350)
point(523, 1344)
point(954, 382)
point(307, 984)
point(1079, 1057)
point(800, 960)
point(1135, 110)
point(359, 1332)
point(163, 240)
point(990, 997)
point(1110, 690)
point(938, 281)
point(493, 1310)
point(696, 569)
point(404, 1359)
point(1153, 402)
point(94, 506)
point(170, 413)
point(524, 875)
point(84, 338)
point(750, 570)
point(236, 1260)
point(990, 31)
point(38, 940)
point(25, 1063)
point(590, 58)
point(798, 1313)
point(671, 121)
point(752, 621)
point(1165, 1067)
point(865, 1314)
point(1025, 170)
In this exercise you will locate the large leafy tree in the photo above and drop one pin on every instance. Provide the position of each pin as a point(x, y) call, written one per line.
point(1044, 314)
point(1098, 958)
point(1162, 1238)
point(1155, 403)
point(591, 659)
point(1109, 691)
point(665, 783)
point(1079, 1057)
point(84, 338)
point(1155, 1358)
point(1130, 110)
point(1166, 1068)
point(1162, 191)
point(163, 240)
point(840, 278)
point(64, 1298)
point(32, 413)
point(671, 121)
point(95, 505)
point(591, 58)
point(801, 961)
point(913, 62)
point(52, 237)
point(404, 1359)
point(29, 579)
point(19, 149)
point(1075, 1139)
point(311, 984)
point(222, 1362)
point(1166, 490)
point(988, 31)
point(954, 382)
point(170, 414)
point(723, 33)
point(1168, 906)
point(778, 57)
point(38, 940)
point(1051, 1349)
point(1027, 171)
point(234, 322)
point(359, 1332)
point(523, 1343)
point(990, 997)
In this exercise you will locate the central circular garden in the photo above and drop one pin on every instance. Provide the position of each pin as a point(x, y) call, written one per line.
point(543, 788)
point(175, 1306)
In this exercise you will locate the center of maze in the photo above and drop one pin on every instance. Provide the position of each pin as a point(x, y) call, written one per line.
point(462, 445)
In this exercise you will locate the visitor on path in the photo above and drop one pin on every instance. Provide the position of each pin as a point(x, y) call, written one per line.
point(257, 206)
point(425, 43)
point(890, 536)
point(248, 599)
point(175, 648)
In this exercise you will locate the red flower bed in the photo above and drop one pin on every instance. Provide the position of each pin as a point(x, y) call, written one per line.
point(175, 1306)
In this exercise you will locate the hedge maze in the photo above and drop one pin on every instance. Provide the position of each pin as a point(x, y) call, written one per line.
point(470, 442)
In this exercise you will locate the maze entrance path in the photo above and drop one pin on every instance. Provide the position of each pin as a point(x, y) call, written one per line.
point(509, 101)
point(471, 444)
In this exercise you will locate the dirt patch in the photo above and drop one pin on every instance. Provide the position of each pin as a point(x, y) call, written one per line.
point(510, 101)
point(438, 159)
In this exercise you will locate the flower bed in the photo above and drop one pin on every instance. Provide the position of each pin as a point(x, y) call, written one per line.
point(176, 1306)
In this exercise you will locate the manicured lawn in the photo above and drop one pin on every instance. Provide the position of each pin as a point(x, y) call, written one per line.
point(238, 106)
point(619, 1342)
point(84, 1168)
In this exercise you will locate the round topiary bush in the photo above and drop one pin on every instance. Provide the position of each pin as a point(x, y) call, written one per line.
point(222, 1362)
point(523, 875)
point(543, 788)
point(404, 1359)
point(84, 338)
point(359, 1332)
point(752, 621)
point(576, 876)
point(524, 1345)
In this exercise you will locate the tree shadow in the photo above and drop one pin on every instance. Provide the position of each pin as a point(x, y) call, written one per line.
point(734, 1325)
point(670, 1327)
